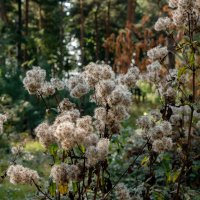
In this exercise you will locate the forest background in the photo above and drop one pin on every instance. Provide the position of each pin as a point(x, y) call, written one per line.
point(63, 36)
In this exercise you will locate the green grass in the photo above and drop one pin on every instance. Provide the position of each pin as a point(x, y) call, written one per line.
point(15, 192)
point(34, 147)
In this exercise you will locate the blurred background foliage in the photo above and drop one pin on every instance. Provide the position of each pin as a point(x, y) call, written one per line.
point(61, 35)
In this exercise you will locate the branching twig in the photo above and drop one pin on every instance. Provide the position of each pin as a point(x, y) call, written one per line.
point(39, 189)
point(126, 171)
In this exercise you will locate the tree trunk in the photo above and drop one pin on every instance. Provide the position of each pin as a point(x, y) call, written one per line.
point(26, 27)
point(107, 31)
point(131, 13)
point(3, 14)
point(61, 38)
point(26, 17)
point(82, 32)
point(19, 33)
point(97, 32)
point(38, 50)
point(40, 17)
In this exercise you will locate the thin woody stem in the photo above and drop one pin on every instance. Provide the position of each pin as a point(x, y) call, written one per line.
point(126, 171)
point(39, 189)
point(97, 184)
point(187, 157)
point(46, 106)
point(57, 101)
point(193, 68)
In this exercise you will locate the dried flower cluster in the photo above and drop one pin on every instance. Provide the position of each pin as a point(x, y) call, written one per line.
point(35, 82)
point(159, 132)
point(45, 134)
point(19, 174)
point(84, 139)
point(98, 152)
point(157, 53)
point(163, 23)
point(111, 94)
point(62, 173)
point(77, 86)
point(174, 129)
point(185, 12)
point(65, 105)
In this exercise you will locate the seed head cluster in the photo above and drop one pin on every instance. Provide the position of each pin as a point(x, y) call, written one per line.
point(62, 173)
point(158, 131)
point(22, 175)
point(35, 83)
point(71, 130)
point(163, 23)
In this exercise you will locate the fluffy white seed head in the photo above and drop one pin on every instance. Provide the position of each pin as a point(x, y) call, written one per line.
point(57, 83)
point(157, 53)
point(85, 123)
point(22, 175)
point(59, 173)
point(144, 122)
point(47, 89)
point(45, 134)
point(34, 79)
point(91, 140)
point(91, 155)
point(65, 134)
point(163, 144)
point(65, 105)
point(162, 24)
point(103, 148)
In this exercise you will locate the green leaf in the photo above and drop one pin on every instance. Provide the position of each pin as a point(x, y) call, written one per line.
point(145, 161)
point(181, 71)
point(158, 196)
point(175, 176)
point(53, 149)
point(74, 186)
point(169, 177)
point(54, 110)
point(52, 189)
point(192, 58)
point(82, 148)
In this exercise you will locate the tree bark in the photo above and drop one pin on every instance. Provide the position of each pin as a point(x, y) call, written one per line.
point(97, 32)
point(61, 37)
point(131, 12)
point(107, 30)
point(19, 33)
point(3, 14)
point(82, 32)
point(40, 17)
point(26, 17)
point(26, 27)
